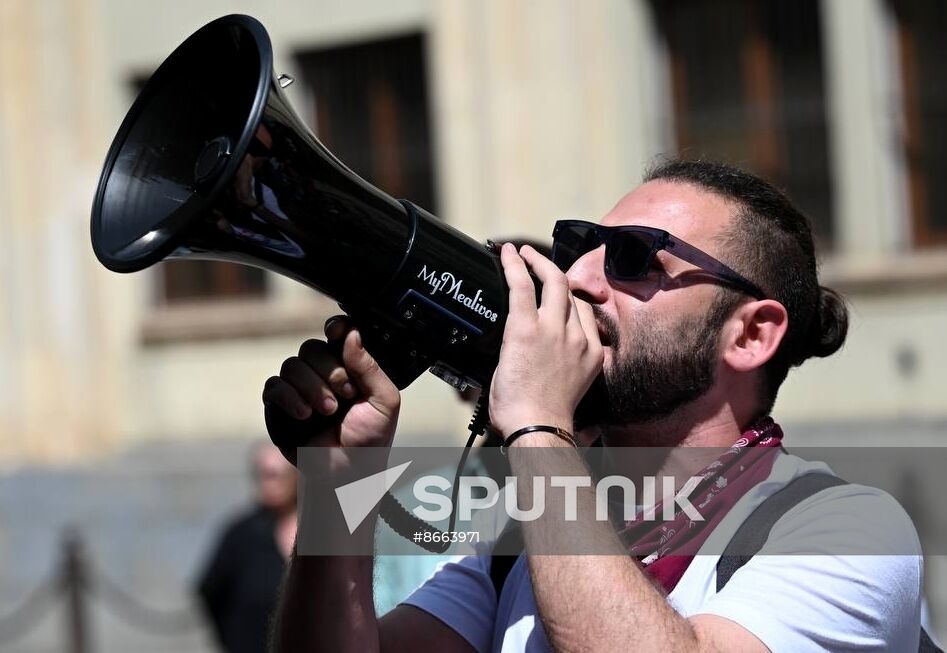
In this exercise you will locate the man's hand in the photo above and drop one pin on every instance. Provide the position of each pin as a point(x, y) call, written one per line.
point(551, 353)
point(332, 372)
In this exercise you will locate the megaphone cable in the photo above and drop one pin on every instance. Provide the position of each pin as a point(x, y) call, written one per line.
point(407, 525)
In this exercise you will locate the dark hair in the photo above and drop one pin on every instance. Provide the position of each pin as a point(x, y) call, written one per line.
point(770, 242)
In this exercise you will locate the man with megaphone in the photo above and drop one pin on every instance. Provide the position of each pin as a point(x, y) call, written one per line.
point(671, 323)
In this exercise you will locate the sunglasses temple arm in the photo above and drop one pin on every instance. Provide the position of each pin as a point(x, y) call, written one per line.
point(708, 263)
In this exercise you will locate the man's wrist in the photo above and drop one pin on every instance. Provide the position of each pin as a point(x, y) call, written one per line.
point(544, 428)
point(533, 419)
point(538, 439)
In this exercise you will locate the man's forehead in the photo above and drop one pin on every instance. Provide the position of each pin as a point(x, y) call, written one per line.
point(690, 213)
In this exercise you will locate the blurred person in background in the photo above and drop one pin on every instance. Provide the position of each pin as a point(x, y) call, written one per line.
point(241, 581)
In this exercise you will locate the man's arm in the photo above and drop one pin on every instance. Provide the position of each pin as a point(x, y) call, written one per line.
point(326, 602)
point(327, 605)
point(407, 629)
point(604, 602)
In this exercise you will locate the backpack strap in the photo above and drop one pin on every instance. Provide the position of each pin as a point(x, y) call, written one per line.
point(753, 532)
point(926, 644)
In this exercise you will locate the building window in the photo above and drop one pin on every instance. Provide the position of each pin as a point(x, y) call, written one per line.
point(190, 281)
point(371, 110)
point(921, 25)
point(748, 89)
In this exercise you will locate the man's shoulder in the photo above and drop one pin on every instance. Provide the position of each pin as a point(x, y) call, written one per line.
point(853, 525)
point(841, 565)
point(845, 519)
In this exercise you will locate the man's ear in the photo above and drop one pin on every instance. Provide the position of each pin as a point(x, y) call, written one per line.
point(753, 334)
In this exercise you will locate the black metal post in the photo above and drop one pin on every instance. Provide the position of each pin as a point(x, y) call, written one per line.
point(75, 580)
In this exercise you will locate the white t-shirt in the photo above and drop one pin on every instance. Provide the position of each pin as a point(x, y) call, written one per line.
point(791, 599)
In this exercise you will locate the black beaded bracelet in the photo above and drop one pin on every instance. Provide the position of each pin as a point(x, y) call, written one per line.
point(555, 430)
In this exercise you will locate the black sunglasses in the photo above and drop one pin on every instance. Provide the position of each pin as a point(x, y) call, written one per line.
point(630, 251)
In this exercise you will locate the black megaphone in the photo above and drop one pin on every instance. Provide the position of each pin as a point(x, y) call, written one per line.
point(211, 162)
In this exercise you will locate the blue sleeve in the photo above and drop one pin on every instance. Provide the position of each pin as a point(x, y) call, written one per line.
point(461, 595)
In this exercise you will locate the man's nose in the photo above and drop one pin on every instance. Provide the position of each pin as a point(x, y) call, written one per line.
point(587, 277)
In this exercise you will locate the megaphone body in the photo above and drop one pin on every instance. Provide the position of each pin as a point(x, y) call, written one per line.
point(211, 162)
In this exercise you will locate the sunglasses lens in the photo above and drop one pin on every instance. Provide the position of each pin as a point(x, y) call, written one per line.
point(629, 254)
point(571, 242)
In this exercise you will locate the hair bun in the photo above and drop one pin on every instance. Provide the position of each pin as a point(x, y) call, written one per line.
point(829, 324)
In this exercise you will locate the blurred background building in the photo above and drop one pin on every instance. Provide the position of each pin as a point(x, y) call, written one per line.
point(127, 402)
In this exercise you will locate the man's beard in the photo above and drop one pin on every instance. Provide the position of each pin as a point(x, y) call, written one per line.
point(662, 370)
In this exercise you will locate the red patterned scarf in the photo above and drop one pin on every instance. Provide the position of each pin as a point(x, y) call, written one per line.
point(666, 548)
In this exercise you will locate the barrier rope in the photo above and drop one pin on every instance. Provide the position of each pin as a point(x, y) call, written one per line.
point(27, 616)
point(75, 579)
point(129, 609)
